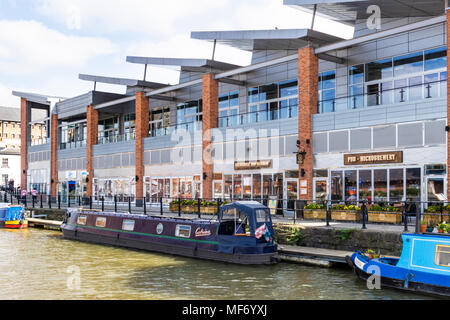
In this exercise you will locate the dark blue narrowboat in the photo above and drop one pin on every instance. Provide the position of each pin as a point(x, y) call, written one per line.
point(424, 266)
point(241, 234)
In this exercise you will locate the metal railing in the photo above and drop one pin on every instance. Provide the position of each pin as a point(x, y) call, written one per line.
point(72, 144)
point(106, 139)
point(408, 215)
point(427, 90)
point(188, 126)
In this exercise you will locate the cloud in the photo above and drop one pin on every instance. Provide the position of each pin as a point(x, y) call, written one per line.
point(29, 47)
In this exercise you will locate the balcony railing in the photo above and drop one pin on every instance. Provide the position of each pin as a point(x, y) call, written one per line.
point(258, 116)
point(39, 142)
point(106, 139)
point(72, 145)
point(189, 126)
point(410, 93)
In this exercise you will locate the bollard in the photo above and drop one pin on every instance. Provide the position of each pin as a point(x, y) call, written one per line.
point(295, 211)
point(161, 206)
point(179, 207)
point(49, 201)
point(68, 201)
point(328, 214)
point(145, 205)
point(90, 203)
point(115, 203)
point(418, 211)
point(405, 219)
point(199, 203)
point(59, 201)
point(42, 206)
point(11, 199)
point(364, 212)
point(103, 203)
point(129, 205)
point(32, 201)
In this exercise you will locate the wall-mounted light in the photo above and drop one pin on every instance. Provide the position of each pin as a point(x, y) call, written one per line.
point(205, 176)
point(303, 173)
point(308, 141)
point(447, 128)
point(137, 178)
point(52, 181)
point(87, 180)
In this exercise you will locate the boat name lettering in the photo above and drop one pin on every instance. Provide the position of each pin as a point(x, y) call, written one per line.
point(200, 232)
point(359, 263)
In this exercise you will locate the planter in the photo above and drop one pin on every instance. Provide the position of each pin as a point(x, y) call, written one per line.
point(435, 218)
point(423, 228)
point(430, 230)
point(189, 209)
point(346, 215)
point(314, 214)
point(173, 207)
point(209, 210)
point(383, 217)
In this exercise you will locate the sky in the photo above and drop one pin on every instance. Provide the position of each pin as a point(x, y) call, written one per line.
point(46, 44)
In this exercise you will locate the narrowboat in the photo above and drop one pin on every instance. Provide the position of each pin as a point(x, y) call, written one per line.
point(241, 234)
point(13, 217)
point(424, 266)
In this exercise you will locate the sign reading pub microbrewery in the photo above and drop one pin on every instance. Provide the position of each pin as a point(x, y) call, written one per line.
point(373, 158)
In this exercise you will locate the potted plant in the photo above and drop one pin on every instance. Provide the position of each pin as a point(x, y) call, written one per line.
point(423, 227)
point(315, 211)
point(342, 212)
point(441, 227)
point(370, 253)
point(430, 227)
point(173, 207)
point(209, 207)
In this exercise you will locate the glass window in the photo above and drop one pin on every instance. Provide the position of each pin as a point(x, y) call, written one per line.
point(400, 93)
point(431, 87)
point(262, 216)
point(350, 185)
point(336, 185)
point(257, 186)
point(365, 185)
point(228, 186)
point(247, 186)
point(436, 59)
point(288, 88)
point(408, 64)
point(443, 255)
point(415, 88)
point(380, 185)
point(237, 189)
point(128, 225)
point(443, 84)
point(268, 92)
point(413, 184)
point(267, 186)
point(378, 70)
point(356, 74)
point(100, 222)
point(183, 231)
point(395, 185)
point(253, 95)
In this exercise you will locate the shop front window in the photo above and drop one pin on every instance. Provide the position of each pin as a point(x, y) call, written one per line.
point(267, 186)
point(413, 183)
point(380, 185)
point(247, 186)
point(350, 186)
point(237, 186)
point(257, 186)
point(336, 185)
point(395, 185)
point(365, 186)
point(228, 191)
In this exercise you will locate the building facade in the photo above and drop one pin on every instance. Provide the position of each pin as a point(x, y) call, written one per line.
point(313, 117)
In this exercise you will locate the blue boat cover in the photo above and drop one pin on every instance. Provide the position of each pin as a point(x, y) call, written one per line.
point(15, 213)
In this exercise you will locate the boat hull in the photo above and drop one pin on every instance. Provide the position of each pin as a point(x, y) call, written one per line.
point(393, 283)
point(15, 225)
point(180, 250)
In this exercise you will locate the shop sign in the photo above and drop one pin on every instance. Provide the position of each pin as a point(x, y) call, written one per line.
point(71, 175)
point(373, 158)
point(252, 165)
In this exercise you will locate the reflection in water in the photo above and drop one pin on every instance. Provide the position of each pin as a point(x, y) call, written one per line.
point(35, 265)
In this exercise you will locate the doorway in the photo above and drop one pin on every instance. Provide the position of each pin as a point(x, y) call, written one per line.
point(320, 189)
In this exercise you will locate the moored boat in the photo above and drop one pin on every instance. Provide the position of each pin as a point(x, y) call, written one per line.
point(241, 234)
point(13, 217)
point(424, 266)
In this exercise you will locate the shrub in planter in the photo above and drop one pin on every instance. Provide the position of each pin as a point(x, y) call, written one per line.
point(315, 211)
point(384, 214)
point(434, 215)
point(342, 212)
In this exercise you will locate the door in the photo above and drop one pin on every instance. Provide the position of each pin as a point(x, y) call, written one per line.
point(320, 190)
point(436, 189)
point(292, 193)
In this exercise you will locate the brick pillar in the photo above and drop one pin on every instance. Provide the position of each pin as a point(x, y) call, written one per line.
point(142, 127)
point(210, 114)
point(91, 140)
point(54, 150)
point(308, 73)
point(24, 131)
point(448, 104)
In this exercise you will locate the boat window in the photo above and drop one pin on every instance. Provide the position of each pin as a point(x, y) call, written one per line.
point(128, 225)
point(262, 216)
point(443, 256)
point(82, 220)
point(100, 222)
point(183, 231)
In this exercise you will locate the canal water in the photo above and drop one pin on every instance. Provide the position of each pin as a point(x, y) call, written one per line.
point(38, 264)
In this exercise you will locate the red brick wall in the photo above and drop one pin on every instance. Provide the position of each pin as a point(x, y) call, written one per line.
point(308, 73)
point(142, 127)
point(54, 150)
point(91, 140)
point(23, 143)
point(210, 114)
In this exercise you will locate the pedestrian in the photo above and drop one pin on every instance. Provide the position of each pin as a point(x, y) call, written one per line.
point(34, 193)
point(24, 196)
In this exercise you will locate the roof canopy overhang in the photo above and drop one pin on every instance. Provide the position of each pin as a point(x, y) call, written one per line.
point(122, 81)
point(347, 11)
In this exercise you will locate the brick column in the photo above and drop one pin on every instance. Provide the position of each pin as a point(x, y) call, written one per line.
point(91, 140)
point(142, 127)
point(54, 150)
point(447, 12)
point(23, 143)
point(210, 114)
point(308, 73)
